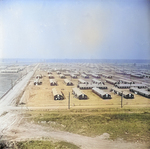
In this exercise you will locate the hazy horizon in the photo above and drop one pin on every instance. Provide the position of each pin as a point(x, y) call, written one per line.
point(114, 61)
point(77, 29)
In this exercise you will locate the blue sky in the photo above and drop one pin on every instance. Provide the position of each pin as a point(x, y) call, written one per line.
point(98, 29)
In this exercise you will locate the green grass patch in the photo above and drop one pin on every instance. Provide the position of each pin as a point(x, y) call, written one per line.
point(45, 145)
point(129, 124)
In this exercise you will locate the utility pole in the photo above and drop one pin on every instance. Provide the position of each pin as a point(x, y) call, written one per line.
point(69, 101)
point(122, 100)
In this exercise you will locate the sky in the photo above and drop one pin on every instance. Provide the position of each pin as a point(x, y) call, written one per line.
point(75, 29)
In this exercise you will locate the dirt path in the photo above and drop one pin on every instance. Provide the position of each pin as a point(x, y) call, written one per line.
point(25, 131)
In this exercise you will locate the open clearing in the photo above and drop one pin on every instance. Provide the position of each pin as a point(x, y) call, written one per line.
point(41, 96)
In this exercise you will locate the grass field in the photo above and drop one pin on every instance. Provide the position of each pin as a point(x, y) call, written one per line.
point(129, 124)
point(45, 145)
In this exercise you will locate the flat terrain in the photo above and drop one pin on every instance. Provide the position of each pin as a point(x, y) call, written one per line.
point(41, 96)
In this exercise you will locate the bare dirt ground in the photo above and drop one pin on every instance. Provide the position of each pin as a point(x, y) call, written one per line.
point(13, 127)
point(41, 96)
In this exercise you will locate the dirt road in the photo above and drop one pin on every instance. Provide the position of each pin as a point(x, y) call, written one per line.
point(7, 118)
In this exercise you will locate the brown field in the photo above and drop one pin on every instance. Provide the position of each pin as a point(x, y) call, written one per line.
point(41, 96)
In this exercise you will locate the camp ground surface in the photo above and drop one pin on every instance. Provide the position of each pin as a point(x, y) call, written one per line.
point(42, 96)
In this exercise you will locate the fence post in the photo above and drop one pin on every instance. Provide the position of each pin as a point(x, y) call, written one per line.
point(122, 100)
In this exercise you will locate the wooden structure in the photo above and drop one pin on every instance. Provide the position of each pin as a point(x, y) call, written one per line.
point(98, 73)
point(125, 94)
point(81, 81)
point(124, 81)
point(136, 75)
point(73, 76)
point(97, 81)
point(39, 76)
point(62, 76)
point(107, 75)
point(9, 71)
point(37, 82)
point(53, 82)
point(67, 74)
point(95, 75)
point(50, 76)
point(84, 76)
point(58, 72)
point(88, 73)
point(49, 72)
point(90, 86)
point(58, 95)
point(77, 92)
point(146, 75)
point(112, 81)
point(76, 73)
point(140, 92)
point(68, 82)
point(131, 85)
point(101, 93)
